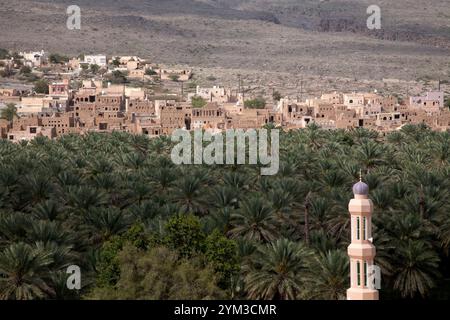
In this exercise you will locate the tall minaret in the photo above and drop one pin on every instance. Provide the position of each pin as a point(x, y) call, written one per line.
point(361, 250)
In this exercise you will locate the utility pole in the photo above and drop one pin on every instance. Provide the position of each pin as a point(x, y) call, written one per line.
point(299, 72)
point(300, 93)
point(182, 90)
point(301, 89)
point(239, 84)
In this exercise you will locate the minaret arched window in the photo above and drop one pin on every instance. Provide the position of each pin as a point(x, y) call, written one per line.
point(358, 231)
point(365, 273)
point(358, 273)
point(364, 228)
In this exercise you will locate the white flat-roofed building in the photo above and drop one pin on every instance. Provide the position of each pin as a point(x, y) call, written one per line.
point(34, 58)
point(99, 60)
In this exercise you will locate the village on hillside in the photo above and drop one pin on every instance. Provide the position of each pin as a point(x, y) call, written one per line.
point(53, 95)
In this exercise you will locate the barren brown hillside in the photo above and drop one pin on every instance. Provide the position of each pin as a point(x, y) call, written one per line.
point(323, 38)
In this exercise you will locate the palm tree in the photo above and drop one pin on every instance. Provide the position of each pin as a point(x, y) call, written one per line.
point(22, 272)
point(223, 197)
point(382, 199)
point(254, 221)
point(319, 209)
point(277, 271)
point(360, 134)
point(395, 137)
point(401, 226)
point(163, 177)
point(140, 143)
point(35, 187)
point(106, 222)
point(314, 135)
point(46, 232)
point(370, 154)
point(139, 190)
point(329, 277)
point(9, 113)
point(444, 232)
point(322, 242)
point(82, 198)
point(13, 228)
point(416, 268)
point(61, 292)
point(235, 180)
point(415, 132)
point(219, 219)
point(62, 255)
point(281, 200)
point(188, 193)
point(338, 222)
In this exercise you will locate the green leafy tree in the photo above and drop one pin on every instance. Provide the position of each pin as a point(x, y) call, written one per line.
point(198, 102)
point(118, 77)
point(221, 253)
point(116, 62)
point(150, 72)
point(25, 70)
point(184, 234)
point(447, 103)
point(56, 58)
point(4, 54)
point(159, 274)
point(108, 263)
point(7, 72)
point(9, 113)
point(41, 86)
point(174, 77)
point(257, 103)
point(276, 96)
point(94, 68)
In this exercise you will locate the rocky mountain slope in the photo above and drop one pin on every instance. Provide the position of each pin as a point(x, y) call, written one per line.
point(321, 37)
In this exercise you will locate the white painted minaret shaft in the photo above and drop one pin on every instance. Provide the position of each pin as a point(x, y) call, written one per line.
point(361, 250)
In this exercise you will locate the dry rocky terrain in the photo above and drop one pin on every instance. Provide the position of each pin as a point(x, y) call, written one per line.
point(273, 44)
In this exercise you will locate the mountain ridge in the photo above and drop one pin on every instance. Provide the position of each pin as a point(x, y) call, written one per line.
point(322, 37)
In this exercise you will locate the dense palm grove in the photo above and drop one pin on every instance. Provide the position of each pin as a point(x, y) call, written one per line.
point(141, 227)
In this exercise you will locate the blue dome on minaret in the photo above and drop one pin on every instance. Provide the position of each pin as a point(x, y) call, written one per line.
point(361, 188)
